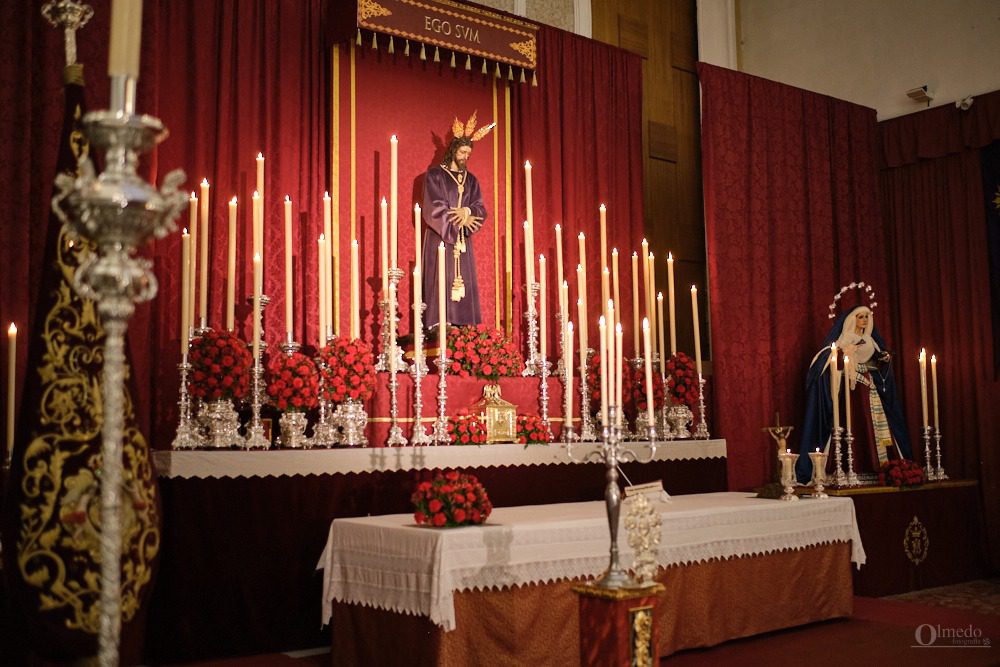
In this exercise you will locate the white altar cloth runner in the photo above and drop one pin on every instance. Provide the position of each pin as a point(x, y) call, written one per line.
point(390, 563)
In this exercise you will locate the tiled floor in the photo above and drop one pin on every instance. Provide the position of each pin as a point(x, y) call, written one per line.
point(981, 595)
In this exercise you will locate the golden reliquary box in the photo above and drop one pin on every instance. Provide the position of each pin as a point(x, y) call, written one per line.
point(498, 415)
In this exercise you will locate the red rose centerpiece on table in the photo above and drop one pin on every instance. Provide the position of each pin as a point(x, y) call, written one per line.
point(682, 380)
point(293, 382)
point(482, 352)
point(466, 430)
point(635, 388)
point(220, 366)
point(451, 499)
point(531, 430)
point(348, 370)
point(901, 473)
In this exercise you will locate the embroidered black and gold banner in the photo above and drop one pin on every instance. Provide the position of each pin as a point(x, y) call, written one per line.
point(51, 522)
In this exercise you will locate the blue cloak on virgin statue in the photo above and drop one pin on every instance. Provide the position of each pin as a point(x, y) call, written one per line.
point(879, 427)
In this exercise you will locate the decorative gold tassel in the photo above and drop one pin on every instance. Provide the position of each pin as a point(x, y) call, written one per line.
point(392, 48)
point(534, 80)
point(522, 75)
point(468, 62)
point(484, 65)
point(437, 54)
point(453, 60)
point(510, 73)
point(375, 41)
point(406, 49)
point(497, 73)
point(423, 54)
point(358, 39)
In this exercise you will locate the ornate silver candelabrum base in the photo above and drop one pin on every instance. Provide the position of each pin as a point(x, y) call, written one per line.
point(679, 416)
point(389, 343)
point(222, 424)
point(701, 432)
point(418, 370)
point(353, 419)
point(440, 431)
point(839, 478)
point(325, 432)
point(852, 477)
point(187, 436)
point(939, 473)
point(532, 363)
point(293, 430)
point(255, 429)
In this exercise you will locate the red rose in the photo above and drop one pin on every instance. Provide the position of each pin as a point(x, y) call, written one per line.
point(459, 515)
point(435, 505)
point(439, 520)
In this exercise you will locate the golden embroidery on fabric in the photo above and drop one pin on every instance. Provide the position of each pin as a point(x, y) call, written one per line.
point(526, 49)
point(58, 550)
point(916, 542)
point(369, 8)
point(642, 636)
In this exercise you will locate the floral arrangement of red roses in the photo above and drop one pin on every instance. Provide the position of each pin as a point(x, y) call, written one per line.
point(901, 472)
point(530, 429)
point(293, 382)
point(451, 499)
point(466, 430)
point(482, 352)
point(634, 380)
point(682, 380)
point(220, 366)
point(348, 369)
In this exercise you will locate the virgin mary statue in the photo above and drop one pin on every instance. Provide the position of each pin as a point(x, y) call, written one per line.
point(879, 428)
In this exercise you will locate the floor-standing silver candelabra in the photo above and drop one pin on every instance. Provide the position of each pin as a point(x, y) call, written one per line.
point(531, 364)
point(119, 212)
point(612, 452)
point(701, 431)
point(939, 473)
point(440, 432)
point(587, 433)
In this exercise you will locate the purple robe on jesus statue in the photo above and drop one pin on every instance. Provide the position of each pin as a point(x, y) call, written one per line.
point(444, 190)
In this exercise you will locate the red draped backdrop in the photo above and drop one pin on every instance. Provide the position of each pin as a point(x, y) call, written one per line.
point(791, 215)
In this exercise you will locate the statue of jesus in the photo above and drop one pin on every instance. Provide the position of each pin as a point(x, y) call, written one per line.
point(453, 211)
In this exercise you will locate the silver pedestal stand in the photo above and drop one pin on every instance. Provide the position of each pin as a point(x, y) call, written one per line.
point(612, 452)
point(440, 431)
point(701, 431)
point(255, 429)
point(532, 363)
point(587, 433)
point(188, 436)
point(839, 478)
point(119, 212)
point(939, 473)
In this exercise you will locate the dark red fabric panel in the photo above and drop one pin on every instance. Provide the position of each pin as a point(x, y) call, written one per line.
point(940, 131)
point(791, 214)
point(581, 130)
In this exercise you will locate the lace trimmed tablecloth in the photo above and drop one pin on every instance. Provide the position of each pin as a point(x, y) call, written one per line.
point(390, 563)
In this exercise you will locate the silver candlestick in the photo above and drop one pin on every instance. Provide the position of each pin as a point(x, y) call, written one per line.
point(325, 431)
point(612, 452)
point(562, 343)
point(701, 432)
point(587, 433)
point(395, 438)
point(119, 212)
point(531, 364)
point(666, 432)
point(187, 433)
point(418, 369)
point(389, 344)
point(839, 478)
point(939, 473)
point(568, 432)
point(852, 477)
point(543, 366)
point(928, 463)
point(440, 432)
point(255, 429)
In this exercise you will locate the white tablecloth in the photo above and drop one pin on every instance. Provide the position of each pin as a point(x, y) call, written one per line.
point(390, 563)
point(274, 463)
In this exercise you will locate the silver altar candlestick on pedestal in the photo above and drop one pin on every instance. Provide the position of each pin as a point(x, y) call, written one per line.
point(394, 359)
point(325, 432)
point(352, 419)
point(418, 369)
point(543, 367)
point(558, 371)
point(568, 432)
point(819, 473)
point(701, 431)
point(612, 452)
point(839, 478)
point(187, 433)
point(928, 462)
point(531, 364)
point(119, 212)
point(852, 477)
point(788, 459)
point(587, 433)
point(255, 429)
point(440, 432)
point(390, 346)
point(939, 473)
point(395, 438)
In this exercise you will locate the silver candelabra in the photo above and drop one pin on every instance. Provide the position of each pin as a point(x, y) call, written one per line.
point(187, 436)
point(701, 431)
point(929, 472)
point(587, 433)
point(119, 212)
point(939, 473)
point(852, 477)
point(543, 366)
point(839, 478)
point(532, 363)
point(388, 308)
point(418, 370)
point(440, 432)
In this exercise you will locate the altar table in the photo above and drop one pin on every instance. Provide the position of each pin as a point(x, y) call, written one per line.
point(241, 530)
point(733, 565)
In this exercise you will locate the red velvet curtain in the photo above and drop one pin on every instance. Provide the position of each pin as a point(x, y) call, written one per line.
point(934, 209)
point(581, 130)
point(791, 215)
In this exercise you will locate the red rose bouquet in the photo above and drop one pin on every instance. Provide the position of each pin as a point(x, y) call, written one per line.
point(466, 430)
point(901, 473)
point(293, 382)
point(220, 366)
point(634, 388)
point(479, 351)
point(531, 430)
point(682, 380)
point(348, 370)
point(594, 383)
point(451, 499)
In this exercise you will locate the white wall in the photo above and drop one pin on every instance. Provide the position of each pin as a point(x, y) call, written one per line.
point(870, 51)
